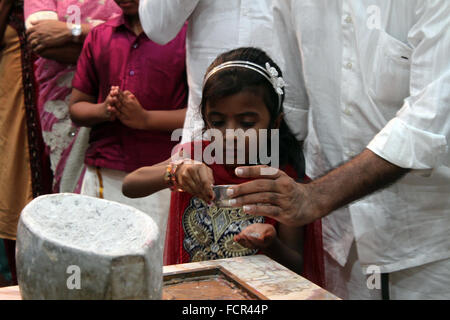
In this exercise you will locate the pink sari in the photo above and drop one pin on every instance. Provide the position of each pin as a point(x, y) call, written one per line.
point(55, 82)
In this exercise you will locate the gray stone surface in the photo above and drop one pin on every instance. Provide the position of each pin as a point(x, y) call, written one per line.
point(113, 246)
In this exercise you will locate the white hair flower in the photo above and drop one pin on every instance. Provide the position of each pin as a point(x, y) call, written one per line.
point(277, 82)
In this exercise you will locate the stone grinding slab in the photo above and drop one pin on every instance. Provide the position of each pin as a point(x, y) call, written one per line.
point(111, 248)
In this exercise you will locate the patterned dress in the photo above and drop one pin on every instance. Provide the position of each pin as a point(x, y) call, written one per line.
point(209, 231)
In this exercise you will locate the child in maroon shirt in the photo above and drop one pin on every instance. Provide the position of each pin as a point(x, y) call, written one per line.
point(132, 92)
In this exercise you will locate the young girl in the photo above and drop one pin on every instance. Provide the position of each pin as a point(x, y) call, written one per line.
point(242, 90)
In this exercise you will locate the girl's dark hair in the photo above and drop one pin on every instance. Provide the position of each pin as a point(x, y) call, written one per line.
point(233, 80)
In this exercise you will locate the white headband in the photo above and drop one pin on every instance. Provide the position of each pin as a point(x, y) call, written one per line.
point(270, 73)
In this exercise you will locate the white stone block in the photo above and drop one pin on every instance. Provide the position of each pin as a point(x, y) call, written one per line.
point(71, 246)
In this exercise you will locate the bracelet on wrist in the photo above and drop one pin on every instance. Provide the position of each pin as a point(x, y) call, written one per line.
point(170, 175)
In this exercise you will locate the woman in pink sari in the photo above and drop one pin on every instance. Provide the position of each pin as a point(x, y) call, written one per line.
point(56, 30)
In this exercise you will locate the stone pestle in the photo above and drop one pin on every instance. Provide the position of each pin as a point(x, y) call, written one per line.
point(71, 246)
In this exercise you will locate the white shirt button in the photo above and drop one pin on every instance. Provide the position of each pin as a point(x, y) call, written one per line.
point(351, 154)
point(349, 65)
point(348, 19)
point(348, 111)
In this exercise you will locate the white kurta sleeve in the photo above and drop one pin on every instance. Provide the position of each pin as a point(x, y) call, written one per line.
point(296, 100)
point(418, 137)
point(163, 19)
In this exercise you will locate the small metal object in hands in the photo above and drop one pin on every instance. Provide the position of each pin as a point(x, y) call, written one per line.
point(255, 235)
point(221, 199)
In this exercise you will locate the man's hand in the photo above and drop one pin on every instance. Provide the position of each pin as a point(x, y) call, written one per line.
point(256, 236)
point(294, 204)
point(46, 34)
point(277, 196)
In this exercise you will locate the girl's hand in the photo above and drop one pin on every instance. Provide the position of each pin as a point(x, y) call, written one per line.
point(257, 236)
point(46, 34)
point(196, 178)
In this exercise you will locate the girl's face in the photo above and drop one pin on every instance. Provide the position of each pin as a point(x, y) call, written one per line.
point(244, 110)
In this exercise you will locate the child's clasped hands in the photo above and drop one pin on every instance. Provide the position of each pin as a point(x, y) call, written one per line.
point(125, 107)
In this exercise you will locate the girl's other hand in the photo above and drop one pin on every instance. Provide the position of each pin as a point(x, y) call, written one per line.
point(196, 178)
point(256, 236)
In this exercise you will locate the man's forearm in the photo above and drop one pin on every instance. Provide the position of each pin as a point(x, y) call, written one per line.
point(364, 174)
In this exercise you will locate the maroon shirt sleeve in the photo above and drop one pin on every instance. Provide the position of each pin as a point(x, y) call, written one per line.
point(86, 79)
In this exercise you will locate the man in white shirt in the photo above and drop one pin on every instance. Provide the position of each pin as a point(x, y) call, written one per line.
point(375, 77)
point(214, 27)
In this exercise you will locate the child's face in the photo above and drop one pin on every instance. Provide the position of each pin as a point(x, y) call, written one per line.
point(129, 7)
point(244, 110)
